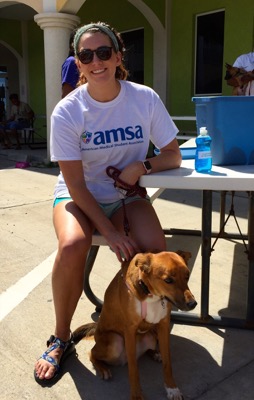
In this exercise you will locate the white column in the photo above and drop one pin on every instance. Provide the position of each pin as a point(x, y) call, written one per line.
point(57, 28)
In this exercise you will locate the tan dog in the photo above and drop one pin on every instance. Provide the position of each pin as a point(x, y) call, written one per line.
point(136, 316)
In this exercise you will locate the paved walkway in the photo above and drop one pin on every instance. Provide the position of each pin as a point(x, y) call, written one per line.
point(208, 363)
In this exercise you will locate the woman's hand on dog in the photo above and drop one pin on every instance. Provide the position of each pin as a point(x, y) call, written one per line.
point(123, 246)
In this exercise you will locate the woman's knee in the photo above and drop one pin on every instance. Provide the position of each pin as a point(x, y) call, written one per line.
point(74, 232)
point(73, 250)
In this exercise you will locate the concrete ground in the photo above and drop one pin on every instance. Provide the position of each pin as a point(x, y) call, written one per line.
point(209, 363)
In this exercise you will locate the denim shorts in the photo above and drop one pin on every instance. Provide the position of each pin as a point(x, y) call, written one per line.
point(108, 208)
point(17, 124)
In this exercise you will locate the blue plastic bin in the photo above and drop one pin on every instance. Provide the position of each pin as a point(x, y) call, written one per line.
point(230, 123)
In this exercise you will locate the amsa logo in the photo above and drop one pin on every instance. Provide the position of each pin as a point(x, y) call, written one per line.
point(113, 136)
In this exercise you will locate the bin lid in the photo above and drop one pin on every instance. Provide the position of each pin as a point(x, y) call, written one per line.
point(206, 99)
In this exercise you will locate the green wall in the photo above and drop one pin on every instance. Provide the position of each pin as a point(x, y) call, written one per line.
point(36, 67)
point(10, 32)
point(238, 39)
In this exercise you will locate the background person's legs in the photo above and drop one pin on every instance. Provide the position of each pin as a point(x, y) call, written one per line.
point(13, 131)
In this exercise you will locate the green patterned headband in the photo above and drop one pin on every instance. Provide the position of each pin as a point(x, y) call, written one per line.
point(102, 28)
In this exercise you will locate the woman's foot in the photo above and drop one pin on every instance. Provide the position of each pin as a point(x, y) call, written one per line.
point(47, 367)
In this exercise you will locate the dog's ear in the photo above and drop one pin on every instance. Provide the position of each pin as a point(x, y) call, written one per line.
point(229, 72)
point(144, 261)
point(186, 255)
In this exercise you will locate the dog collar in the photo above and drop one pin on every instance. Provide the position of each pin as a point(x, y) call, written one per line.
point(144, 302)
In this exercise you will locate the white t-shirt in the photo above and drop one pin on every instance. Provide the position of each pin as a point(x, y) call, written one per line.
point(21, 111)
point(113, 133)
point(245, 61)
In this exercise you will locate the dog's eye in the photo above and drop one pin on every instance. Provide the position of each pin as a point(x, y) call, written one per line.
point(169, 280)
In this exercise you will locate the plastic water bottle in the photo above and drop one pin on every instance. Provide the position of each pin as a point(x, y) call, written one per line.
point(203, 158)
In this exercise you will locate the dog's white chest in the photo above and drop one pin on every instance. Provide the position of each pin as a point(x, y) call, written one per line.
point(152, 310)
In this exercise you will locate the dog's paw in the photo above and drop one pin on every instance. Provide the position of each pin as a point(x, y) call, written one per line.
point(155, 355)
point(104, 373)
point(174, 394)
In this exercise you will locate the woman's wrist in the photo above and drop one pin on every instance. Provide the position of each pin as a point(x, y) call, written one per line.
point(140, 169)
point(147, 167)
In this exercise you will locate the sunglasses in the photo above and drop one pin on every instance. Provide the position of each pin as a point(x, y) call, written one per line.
point(104, 53)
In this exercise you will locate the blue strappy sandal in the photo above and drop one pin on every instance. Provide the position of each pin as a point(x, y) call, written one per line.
point(52, 344)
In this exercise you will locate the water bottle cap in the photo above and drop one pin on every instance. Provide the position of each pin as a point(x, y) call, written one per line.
point(203, 131)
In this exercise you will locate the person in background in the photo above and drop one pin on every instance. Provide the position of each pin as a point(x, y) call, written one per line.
point(70, 73)
point(100, 135)
point(21, 115)
point(246, 62)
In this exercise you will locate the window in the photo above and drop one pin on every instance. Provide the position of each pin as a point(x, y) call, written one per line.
point(209, 53)
point(134, 55)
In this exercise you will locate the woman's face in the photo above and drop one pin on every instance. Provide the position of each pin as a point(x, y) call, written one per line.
point(98, 71)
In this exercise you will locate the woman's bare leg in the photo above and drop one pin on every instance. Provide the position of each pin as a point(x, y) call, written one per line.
point(145, 227)
point(74, 233)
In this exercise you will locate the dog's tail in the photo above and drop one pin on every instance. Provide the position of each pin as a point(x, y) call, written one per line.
point(84, 331)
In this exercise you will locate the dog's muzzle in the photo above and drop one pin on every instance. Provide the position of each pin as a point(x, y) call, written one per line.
point(188, 306)
point(191, 304)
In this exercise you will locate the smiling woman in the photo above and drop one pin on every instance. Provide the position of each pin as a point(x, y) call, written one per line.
point(114, 46)
point(105, 122)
